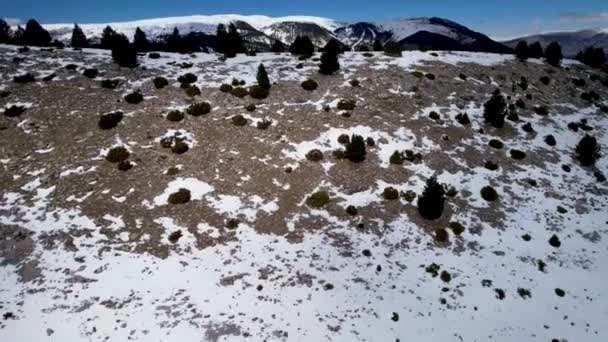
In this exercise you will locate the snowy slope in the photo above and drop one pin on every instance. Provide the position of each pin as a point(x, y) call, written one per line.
point(201, 23)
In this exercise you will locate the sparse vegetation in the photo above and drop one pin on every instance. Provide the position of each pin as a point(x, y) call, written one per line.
point(239, 92)
point(14, 111)
point(180, 197)
point(160, 82)
point(347, 104)
point(110, 120)
point(264, 124)
point(397, 158)
point(489, 194)
point(110, 83)
point(199, 108)
point(309, 85)
point(175, 116)
point(90, 72)
point(314, 155)
point(258, 92)
point(226, 88)
point(318, 199)
point(134, 97)
point(187, 78)
point(239, 120)
point(117, 154)
point(496, 144)
point(441, 235)
point(24, 78)
point(517, 154)
point(192, 90)
point(390, 193)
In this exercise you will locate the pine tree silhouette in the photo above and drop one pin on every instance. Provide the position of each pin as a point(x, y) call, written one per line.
point(79, 39)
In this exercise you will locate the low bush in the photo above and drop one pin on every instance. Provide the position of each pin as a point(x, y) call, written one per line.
point(429, 76)
point(160, 82)
point(179, 146)
point(587, 151)
point(370, 142)
point(541, 110)
point(125, 165)
point(490, 165)
point(226, 88)
point(175, 236)
point(90, 73)
point(193, 90)
point(239, 120)
point(24, 78)
point(187, 78)
point(199, 108)
point(393, 49)
point(117, 154)
point(463, 119)
point(354, 83)
point(134, 97)
point(590, 96)
point(175, 116)
point(71, 67)
point(110, 120)
point(264, 124)
point(355, 149)
point(397, 158)
point(239, 92)
point(441, 235)
point(318, 199)
point(314, 155)
point(309, 85)
point(347, 104)
point(257, 92)
point(495, 110)
point(457, 228)
point(496, 144)
point(489, 194)
point(517, 154)
point(343, 139)
point(390, 193)
point(110, 83)
point(550, 140)
point(180, 197)
point(250, 107)
point(578, 82)
point(154, 55)
point(545, 80)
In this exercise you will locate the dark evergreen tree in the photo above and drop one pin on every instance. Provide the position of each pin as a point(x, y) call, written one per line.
point(262, 77)
point(221, 38)
point(79, 39)
point(355, 149)
point(18, 36)
point(335, 46)
point(378, 45)
point(593, 57)
point(521, 50)
point(123, 52)
point(140, 41)
point(277, 46)
point(495, 110)
point(177, 43)
point(535, 50)
point(329, 62)
point(35, 35)
point(553, 54)
point(431, 202)
point(234, 42)
point(393, 49)
point(107, 37)
point(587, 151)
point(5, 32)
point(302, 46)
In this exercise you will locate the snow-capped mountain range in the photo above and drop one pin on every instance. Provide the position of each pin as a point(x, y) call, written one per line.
point(261, 31)
point(571, 42)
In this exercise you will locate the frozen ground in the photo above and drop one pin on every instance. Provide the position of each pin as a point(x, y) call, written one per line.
point(87, 252)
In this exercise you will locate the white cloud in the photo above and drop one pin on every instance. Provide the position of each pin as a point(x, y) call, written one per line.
point(12, 21)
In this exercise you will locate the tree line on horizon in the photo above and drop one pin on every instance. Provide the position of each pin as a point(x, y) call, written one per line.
point(228, 42)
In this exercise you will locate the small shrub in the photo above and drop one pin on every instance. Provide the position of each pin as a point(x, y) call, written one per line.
point(160, 82)
point(520, 104)
point(187, 78)
point(496, 144)
point(318, 199)
point(314, 155)
point(110, 84)
point(417, 74)
point(134, 97)
point(517, 154)
point(239, 120)
point(490, 165)
point(457, 228)
point(463, 77)
point(550, 140)
point(541, 110)
point(554, 241)
point(370, 142)
point(355, 149)
point(545, 80)
point(431, 202)
point(90, 73)
point(347, 104)
point(239, 92)
point(429, 76)
point(441, 235)
point(250, 107)
point(180, 197)
point(433, 115)
point(397, 158)
point(495, 110)
point(393, 49)
point(343, 139)
point(125, 165)
point(24, 78)
point(71, 67)
point(352, 210)
point(4, 94)
point(587, 151)
point(175, 116)
point(590, 96)
point(193, 90)
point(199, 108)
point(179, 147)
point(14, 111)
point(264, 124)
point(528, 128)
point(354, 83)
point(225, 88)
point(117, 154)
point(445, 276)
point(463, 119)
point(154, 55)
point(175, 236)
point(578, 82)
point(390, 193)
point(110, 120)
point(258, 92)
point(489, 194)
point(236, 82)
point(309, 85)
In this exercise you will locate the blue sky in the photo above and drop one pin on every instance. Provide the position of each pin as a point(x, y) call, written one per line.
point(495, 18)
